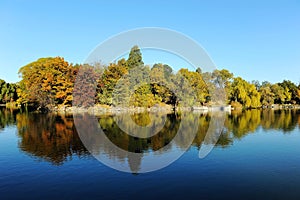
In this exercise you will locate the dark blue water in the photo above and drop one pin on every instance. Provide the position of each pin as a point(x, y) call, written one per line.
point(257, 157)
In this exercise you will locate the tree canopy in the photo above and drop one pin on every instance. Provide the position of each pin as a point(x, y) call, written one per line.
point(49, 82)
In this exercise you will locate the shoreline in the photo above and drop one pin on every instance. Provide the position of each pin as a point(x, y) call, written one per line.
point(104, 109)
point(100, 109)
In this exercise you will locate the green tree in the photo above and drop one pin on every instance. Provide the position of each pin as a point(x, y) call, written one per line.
point(8, 92)
point(291, 91)
point(108, 82)
point(257, 84)
point(139, 83)
point(221, 80)
point(2, 91)
point(135, 58)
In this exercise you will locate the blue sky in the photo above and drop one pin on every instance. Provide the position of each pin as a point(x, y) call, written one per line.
point(257, 40)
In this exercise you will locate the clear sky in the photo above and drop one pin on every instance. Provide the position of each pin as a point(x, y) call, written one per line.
point(257, 40)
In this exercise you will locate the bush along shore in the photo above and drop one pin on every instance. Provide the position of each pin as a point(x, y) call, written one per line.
point(48, 84)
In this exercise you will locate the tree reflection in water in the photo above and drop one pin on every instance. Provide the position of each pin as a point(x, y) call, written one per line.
point(7, 117)
point(54, 138)
point(49, 137)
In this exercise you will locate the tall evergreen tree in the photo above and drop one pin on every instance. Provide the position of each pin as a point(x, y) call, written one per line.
point(135, 58)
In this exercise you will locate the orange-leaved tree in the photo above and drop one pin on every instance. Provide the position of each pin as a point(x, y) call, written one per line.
point(47, 82)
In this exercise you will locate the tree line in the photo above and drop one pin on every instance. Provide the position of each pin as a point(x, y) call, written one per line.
point(49, 82)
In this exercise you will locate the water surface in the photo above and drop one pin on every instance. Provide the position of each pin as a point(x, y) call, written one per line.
point(256, 157)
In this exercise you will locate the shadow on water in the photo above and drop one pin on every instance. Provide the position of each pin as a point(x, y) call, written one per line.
point(54, 138)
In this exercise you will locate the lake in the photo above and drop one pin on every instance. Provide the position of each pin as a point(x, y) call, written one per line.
point(257, 156)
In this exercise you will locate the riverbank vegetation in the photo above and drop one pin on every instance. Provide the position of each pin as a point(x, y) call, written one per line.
point(49, 82)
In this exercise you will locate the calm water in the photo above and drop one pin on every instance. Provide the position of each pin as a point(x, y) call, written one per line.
point(256, 157)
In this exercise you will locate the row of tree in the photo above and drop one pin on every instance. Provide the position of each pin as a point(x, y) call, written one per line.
point(50, 82)
point(279, 93)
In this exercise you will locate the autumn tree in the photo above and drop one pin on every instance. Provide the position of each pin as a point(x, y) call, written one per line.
point(189, 88)
point(267, 95)
point(197, 83)
point(47, 82)
point(245, 93)
point(84, 93)
point(160, 77)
